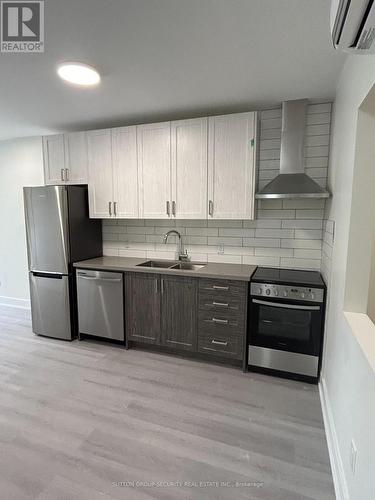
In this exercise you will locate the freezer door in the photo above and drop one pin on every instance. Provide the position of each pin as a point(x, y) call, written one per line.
point(46, 212)
point(50, 305)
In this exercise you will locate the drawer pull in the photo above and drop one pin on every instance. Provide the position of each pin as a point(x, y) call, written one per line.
point(219, 342)
point(221, 321)
point(220, 304)
point(217, 287)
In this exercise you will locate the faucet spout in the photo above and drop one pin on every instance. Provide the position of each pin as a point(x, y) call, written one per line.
point(182, 254)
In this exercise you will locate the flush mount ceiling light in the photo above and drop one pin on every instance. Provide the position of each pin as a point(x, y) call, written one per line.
point(78, 74)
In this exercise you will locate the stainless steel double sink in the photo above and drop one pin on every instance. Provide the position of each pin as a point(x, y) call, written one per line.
point(167, 264)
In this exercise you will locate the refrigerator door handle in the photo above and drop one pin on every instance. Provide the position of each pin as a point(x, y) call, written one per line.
point(44, 274)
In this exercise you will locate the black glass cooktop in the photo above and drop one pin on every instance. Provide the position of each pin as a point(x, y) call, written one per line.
point(287, 276)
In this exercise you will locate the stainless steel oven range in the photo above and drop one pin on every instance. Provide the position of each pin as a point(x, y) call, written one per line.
point(286, 322)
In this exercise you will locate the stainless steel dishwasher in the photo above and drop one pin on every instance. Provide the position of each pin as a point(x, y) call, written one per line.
point(100, 304)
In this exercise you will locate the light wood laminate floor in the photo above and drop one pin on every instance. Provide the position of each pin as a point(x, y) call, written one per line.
point(87, 420)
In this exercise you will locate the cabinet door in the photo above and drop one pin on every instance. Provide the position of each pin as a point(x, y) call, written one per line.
point(125, 172)
point(76, 158)
point(54, 159)
point(189, 168)
point(231, 166)
point(100, 174)
point(154, 167)
point(179, 312)
point(142, 307)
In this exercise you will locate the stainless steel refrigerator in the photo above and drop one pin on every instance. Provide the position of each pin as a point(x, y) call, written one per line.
point(59, 232)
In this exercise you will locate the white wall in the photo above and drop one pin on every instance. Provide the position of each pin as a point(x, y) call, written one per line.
point(21, 164)
point(371, 292)
point(348, 379)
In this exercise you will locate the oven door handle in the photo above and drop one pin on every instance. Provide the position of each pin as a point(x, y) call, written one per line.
point(286, 306)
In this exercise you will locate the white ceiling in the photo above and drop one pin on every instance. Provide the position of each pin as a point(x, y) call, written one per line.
point(163, 59)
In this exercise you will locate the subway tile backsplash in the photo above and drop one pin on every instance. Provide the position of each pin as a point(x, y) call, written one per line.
point(286, 233)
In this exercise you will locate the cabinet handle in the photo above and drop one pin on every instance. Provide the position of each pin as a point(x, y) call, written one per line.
point(220, 321)
point(115, 208)
point(62, 174)
point(162, 286)
point(156, 286)
point(66, 174)
point(217, 287)
point(174, 208)
point(219, 342)
point(220, 304)
point(211, 208)
point(110, 208)
point(168, 209)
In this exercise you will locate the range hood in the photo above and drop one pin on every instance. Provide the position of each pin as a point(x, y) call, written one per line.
point(292, 182)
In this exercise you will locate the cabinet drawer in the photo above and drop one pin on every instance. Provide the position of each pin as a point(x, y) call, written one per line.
point(220, 323)
point(222, 288)
point(221, 344)
point(221, 305)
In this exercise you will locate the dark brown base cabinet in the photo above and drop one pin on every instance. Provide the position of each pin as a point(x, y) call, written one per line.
point(142, 307)
point(161, 310)
point(222, 318)
point(199, 315)
point(179, 312)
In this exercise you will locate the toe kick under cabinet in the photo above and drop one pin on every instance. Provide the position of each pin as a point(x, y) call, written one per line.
point(199, 315)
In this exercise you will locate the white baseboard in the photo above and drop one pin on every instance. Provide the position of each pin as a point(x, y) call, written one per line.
point(13, 302)
point(339, 480)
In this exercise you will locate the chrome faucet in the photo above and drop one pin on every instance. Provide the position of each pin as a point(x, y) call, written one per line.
point(182, 254)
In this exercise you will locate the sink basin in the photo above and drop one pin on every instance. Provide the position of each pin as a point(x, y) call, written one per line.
point(188, 266)
point(167, 264)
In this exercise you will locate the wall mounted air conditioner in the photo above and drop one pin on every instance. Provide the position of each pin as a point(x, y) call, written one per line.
point(353, 25)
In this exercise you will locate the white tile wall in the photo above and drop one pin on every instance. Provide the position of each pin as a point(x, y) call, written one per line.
point(328, 238)
point(287, 233)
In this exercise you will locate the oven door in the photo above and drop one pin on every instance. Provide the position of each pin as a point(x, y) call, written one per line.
point(294, 327)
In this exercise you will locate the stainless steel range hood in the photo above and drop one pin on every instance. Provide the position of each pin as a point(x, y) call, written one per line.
point(292, 182)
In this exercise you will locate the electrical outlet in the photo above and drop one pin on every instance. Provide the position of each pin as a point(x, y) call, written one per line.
point(353, 456)
point(220, 248)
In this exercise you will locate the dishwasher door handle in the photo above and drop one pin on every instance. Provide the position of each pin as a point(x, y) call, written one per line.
point(98, 278)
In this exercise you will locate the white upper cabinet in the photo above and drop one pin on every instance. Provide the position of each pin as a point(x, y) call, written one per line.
point(231, 166)
point(125, 172)
point(101, 198)
point(75, 158)
point(112, 172)
point(186, 169)
point(54, 159)
point(65, 158)
point(154, 170)
point(189, 168)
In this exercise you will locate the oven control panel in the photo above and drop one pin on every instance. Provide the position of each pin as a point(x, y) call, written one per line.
point(269, 290)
